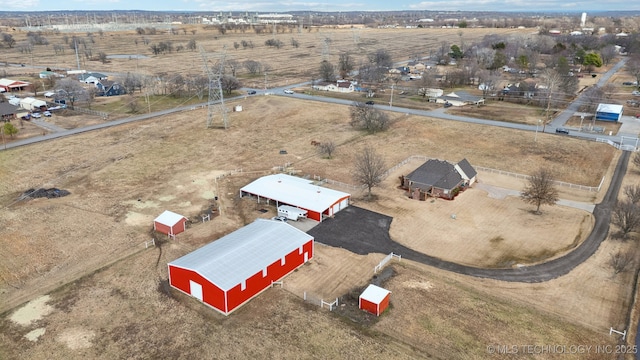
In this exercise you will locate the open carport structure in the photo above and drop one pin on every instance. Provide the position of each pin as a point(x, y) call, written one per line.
point(295, 191)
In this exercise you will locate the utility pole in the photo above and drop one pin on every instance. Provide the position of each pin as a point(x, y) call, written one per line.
point(391, 102)
point(265, 80)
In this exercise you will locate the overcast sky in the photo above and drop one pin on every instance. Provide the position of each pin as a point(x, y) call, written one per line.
point(321, 5)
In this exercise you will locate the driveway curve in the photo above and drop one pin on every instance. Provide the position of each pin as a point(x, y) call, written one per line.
point(372, 236)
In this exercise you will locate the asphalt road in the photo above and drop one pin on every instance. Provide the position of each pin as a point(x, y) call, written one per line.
point(564, 116)
point(362, 232)
point(534, 273)
point(437, 113)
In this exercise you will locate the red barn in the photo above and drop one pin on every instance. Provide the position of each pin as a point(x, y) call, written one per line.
point(170, 223)
point(232, 270)
point(298, 192)
point(374, 299)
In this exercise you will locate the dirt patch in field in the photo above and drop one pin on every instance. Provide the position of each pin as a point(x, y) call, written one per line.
point(76, 338)
point(33, 311)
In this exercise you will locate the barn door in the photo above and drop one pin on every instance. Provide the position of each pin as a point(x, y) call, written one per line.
point(196, 289)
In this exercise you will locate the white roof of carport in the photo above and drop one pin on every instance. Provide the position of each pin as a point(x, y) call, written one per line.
point(295, 191)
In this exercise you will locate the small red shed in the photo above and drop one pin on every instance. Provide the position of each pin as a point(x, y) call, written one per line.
point(374, 299)
point(170, 223)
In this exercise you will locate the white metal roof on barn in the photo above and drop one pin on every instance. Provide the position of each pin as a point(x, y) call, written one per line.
point(296, 191)
point(168, 218)
point(235, 257)
point(374, 294)
point(610, 108)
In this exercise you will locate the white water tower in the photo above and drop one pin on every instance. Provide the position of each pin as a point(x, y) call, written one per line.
point(583, 19)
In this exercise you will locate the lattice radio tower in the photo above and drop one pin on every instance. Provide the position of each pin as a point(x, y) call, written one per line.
point(215, 103)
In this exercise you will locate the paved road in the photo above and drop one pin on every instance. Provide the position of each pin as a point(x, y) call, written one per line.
point(362, 232)
point(564, 116)
point(535, 273)
point(437, 113)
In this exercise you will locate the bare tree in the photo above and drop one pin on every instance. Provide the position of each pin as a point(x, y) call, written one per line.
point(636, 159)
point(345, 64)
point(132, 103)
point(552, 81)
point(540, 190)
point(103, 57)
point(369, 169)
point(488, 82)
point(71, 89)
point(191, 45)
point(91, 96)
point(366, 117)
point(608, 53)
point(633, 67)
point(633, 193)
point(620, 261)
point(8, 39)
point(229, 83)
point(327, 71)
point(252, 66)
point(327, 148)
point(626, 216)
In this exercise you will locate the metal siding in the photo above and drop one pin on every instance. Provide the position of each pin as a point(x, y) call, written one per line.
point(257, 283)
point(162, 228)
point(239, 255)
point(384, 304)
point(314, 215)
point(368, 306)
point(179, 278)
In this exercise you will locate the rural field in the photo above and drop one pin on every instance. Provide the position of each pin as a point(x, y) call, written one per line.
point(77, 281)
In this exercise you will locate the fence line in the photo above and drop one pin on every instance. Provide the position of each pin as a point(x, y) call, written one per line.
point(618, 146)
point(151, 242)
point(102, 114)
point(385, 261)
point(319, 301)
point(556, 182)
point(480, 168)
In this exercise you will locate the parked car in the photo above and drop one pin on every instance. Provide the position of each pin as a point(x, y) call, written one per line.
point(288, 91)
point(279, 218)
point(36, 115)
point(635, 93)
point(562, 131)
point(448, 104)
point(627, 83)
point(251, 92)
point(369, 102)
point(47, 113)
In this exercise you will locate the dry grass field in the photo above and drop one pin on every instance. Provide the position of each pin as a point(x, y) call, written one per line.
point(108, 296)
point(289, 64)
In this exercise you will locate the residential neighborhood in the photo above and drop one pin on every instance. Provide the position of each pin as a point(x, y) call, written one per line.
point(424, 183)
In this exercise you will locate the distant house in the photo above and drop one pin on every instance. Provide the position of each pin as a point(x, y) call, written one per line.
point(344, 86)
point(109, 88)
point(461, 98)
point(609, 112)
point(416, 67)
point(525, 89)
point(91, 77)
point(431, 93)
point(49, 74)
point(439, 178)
point(33, 104)
point(9, 85)
point(7, 111)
